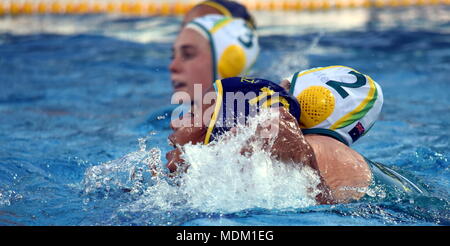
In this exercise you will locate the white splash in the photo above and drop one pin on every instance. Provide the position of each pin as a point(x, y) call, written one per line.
point(219, 179)
point(130, 173)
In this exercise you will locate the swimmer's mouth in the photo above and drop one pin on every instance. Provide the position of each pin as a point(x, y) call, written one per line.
point(178, 85)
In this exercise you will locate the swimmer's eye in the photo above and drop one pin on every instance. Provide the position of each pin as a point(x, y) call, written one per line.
point(188, 52)
point(185, 56)
point(188, 55)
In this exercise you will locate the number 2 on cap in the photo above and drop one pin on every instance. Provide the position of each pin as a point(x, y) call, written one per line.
point(360, 81)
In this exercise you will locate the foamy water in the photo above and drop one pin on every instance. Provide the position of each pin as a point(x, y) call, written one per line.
point(219, 179)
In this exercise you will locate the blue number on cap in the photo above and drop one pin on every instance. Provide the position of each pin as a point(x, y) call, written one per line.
point(248, 38)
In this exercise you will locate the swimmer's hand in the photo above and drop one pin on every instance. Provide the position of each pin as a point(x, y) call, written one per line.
point(183, 134)
point(283, 139)
point(174, 160)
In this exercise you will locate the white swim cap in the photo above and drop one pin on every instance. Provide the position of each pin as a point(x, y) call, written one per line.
point(337, 101)
point(234, 45)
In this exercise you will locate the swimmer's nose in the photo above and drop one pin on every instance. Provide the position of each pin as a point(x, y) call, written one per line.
point(175, 66)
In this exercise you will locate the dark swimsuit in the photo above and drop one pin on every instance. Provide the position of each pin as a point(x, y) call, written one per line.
point(238, 98)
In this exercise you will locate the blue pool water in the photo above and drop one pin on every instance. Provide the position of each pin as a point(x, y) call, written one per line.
point(80, 105)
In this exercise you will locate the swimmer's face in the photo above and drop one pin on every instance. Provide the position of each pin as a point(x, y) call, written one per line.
point(190, 128)
point(199, 11)
point(192, 63)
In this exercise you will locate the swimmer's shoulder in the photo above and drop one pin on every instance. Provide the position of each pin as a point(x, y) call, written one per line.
point(334, 156)
point(345, 172)
point(331, 148)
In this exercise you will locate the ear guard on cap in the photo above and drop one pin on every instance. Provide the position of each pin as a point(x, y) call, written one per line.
point(234, 45)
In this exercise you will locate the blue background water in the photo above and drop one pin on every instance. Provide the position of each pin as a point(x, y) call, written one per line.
point(70, 100)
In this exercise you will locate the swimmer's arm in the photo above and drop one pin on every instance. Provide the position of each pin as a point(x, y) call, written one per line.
point(344, 172)
point(288, 145)
point(183, 135)
point(291, 146)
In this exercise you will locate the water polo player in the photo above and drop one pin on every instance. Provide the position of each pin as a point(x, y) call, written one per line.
point(289, 145)
point(339, 105)
point(209, 48)
point(234, 101)
point(221, 7)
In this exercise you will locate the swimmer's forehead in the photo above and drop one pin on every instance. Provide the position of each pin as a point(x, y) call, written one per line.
point(185, 47)
point(189, 38)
